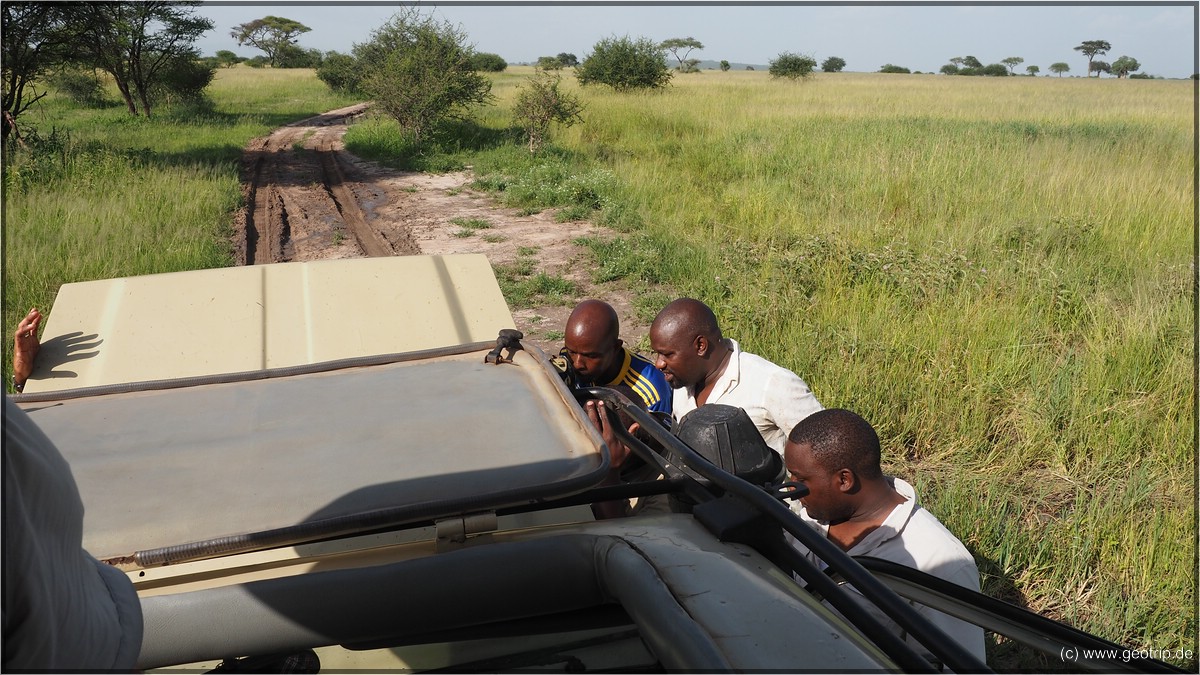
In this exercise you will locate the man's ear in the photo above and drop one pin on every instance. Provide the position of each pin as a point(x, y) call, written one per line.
point(701, 345)
point(846, 480)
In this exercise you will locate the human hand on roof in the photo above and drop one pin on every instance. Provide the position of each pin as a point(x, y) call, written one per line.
point(25, 347)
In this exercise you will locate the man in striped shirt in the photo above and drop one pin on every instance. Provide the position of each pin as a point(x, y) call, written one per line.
point(599, 358)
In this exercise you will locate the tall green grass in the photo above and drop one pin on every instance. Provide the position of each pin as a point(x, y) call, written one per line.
point(996, 272)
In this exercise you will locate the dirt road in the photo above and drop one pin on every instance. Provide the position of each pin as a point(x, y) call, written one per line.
point(308, 199)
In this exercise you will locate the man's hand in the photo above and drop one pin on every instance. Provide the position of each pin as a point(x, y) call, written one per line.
point(26, 346)
point(617, 451)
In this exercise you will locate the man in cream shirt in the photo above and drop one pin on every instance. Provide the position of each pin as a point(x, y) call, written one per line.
point(705, 367)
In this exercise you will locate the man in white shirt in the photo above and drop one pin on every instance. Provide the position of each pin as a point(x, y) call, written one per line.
point(835, 454)
point(705, 367)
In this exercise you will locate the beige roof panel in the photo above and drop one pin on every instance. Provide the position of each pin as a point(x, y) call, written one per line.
point(237, 319)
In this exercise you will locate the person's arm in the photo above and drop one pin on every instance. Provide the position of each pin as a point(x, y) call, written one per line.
point(25, 348)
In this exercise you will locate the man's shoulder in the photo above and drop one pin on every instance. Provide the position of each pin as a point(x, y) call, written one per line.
point(937, 550)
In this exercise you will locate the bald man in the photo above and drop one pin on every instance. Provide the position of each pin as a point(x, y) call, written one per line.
point(599, 358)
point(836, 454)
point(703, 366)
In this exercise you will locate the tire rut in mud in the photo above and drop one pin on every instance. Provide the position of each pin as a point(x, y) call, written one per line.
point(301, 198)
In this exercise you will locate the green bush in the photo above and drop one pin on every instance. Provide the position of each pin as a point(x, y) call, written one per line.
point(890, 68)
point(184, 79)
point(81, 86)
point(340, 72)
point(540, 103)
point(549, 63)
point(488, 63)
point(623, 64)
point(419, 72)
point(792, 66)
point(833, 64)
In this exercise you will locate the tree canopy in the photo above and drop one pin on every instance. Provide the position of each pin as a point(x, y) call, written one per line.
point(1059, 68)
point(833, 64)
point(137, 43)
point(1125, 65)
point(1012, 62)
point(687, 44)
point(1091, 48)
point(271, 34)
point(36, 37)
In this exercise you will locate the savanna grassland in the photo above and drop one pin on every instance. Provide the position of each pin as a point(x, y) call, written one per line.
point(998, 273)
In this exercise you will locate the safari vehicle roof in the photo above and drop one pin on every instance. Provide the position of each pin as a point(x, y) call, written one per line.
point(235, 319)
point(296, 401)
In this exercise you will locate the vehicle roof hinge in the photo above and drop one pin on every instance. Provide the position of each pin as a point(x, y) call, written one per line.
point(455, 530)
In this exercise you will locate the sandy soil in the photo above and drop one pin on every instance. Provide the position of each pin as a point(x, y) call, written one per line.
point(309, 199)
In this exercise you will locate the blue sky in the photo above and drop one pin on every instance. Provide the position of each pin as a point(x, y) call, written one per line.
point(1162, 37)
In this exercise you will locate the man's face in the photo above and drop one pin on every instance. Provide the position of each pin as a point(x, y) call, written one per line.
point(595, 358)
point(825, 500)
point(676, 357)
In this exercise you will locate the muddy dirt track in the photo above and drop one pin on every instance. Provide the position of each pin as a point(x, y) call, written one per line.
point(308, 199)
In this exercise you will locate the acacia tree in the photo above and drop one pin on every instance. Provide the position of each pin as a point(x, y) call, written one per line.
point(1012, 62)
point(271, 34)
point(420, 73)
point(724, 66)
point(1091, 48)
point(36, 37)
point(687, 44)
point(1098, 67)
point(1032, 70)
point(1125, 65)
point(1060, 68)
point(137, 43)
point(567, 59)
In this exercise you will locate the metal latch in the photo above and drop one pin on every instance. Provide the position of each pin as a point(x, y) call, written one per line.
point(456, 530)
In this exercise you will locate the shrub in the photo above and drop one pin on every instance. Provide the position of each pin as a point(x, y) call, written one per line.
point(488, 63)
point(419, 72)
point(81, 86)
point(889, 68)
point(792, 66)
point(227, 59)
point(183, 79)
point(340, 72)
point(548, 63)
point(623, 63)
point(540, 103)
point(833, 64)
point(724, 66)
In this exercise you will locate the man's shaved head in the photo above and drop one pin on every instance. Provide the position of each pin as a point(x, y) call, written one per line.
point(688, 341)
point(592, 341)
point(595, 320)
point(687, 317)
